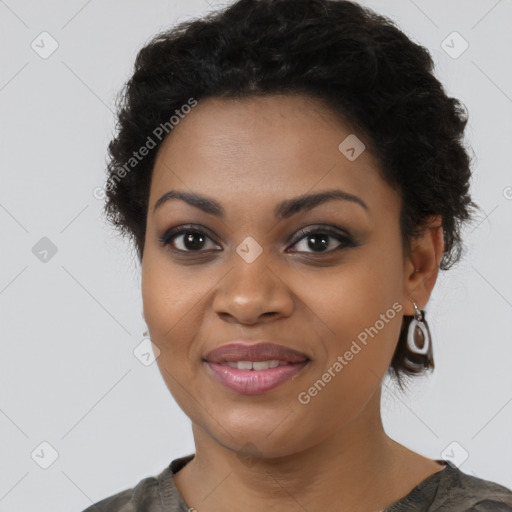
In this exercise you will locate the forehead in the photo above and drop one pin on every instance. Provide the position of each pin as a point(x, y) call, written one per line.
point(263, 149)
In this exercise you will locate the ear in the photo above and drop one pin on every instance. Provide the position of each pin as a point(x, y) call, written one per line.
point(421, 265)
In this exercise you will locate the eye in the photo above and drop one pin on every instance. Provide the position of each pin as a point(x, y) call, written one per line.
point(320, 240)
point(187, 238)
point(190, 238)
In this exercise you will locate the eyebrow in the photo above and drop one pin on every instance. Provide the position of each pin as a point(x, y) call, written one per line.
point(282, 211)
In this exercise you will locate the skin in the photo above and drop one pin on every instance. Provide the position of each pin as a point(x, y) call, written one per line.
point(269, 451)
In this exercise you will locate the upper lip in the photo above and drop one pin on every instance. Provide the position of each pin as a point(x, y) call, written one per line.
point(241, 351)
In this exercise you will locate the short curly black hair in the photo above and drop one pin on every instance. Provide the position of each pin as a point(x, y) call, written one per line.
point(359, 63)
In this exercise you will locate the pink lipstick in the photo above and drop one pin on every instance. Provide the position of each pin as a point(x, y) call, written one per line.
point(254, 369)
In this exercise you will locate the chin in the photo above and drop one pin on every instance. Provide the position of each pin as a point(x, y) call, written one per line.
point(251, 441)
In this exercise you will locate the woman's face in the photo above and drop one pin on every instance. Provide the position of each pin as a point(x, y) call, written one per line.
point(250, 275)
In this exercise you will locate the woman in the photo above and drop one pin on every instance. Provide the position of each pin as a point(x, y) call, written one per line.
point(293, 178)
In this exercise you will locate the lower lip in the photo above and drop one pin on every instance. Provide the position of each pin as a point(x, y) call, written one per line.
point(254, 382)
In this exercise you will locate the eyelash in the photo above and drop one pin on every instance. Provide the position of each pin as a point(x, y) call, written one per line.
point(346, 240)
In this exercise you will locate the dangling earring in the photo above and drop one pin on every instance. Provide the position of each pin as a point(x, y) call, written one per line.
point(418, 336)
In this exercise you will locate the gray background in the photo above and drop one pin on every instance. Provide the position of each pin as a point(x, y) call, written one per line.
point(69, 325)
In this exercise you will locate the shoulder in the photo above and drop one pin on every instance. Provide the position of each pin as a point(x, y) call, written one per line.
point(143, 497)
point(460, 492)
point(152, 494)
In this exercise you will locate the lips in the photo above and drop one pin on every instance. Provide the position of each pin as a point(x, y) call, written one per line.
point(235, 352)
point(254, 369)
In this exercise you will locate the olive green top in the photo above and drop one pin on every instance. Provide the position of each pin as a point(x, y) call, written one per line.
point(448, 490)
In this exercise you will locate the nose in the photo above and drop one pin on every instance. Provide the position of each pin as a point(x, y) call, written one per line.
point(252, 293)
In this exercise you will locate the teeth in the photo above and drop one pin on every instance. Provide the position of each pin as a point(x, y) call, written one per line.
point(256, 365)
point(261, 365)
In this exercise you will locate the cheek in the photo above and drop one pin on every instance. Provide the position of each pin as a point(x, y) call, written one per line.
point(355, 311)
point(169, 292)
point(175, 298)
point(167, 300)
point(170, 309)
point(352, 296)
point(359, 330)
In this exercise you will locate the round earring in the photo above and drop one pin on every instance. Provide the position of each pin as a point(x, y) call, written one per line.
point(418, 336)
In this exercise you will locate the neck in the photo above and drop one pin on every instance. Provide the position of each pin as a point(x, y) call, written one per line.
point(357, 468)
